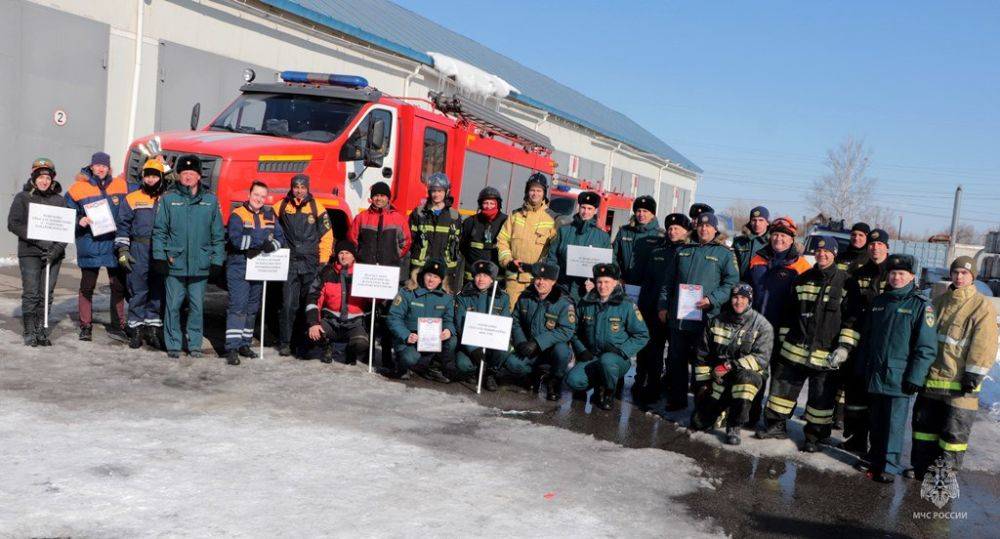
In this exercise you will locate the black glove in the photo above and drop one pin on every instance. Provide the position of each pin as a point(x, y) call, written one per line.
point(910, 388)
point(215, 271)
point(584, 356)
point(270, 246)
point(124, 260)
point(512, 267)
point(477, 355)
point(970, 382)
point(527, 348)
point(161, 267)
point(251, 253)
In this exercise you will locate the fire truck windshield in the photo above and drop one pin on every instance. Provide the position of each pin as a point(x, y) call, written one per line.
point(303, 117)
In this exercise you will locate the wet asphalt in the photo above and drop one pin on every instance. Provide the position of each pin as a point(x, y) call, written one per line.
point(752, 496)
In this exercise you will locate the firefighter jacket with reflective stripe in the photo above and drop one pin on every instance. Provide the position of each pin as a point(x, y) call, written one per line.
point(815, 320)
point(632, 247)
point(864, 285)
point(711, 265)
point(851, 258)
point(613, 325)
point(382, 236)
point(411, 305)
point(327, 293)
point(479, 239)
point(744, 247)
point(95, 251)
point(525, 236)
point(656, 271)
point(581, 233)
point(307, 230)
point(967, 342)
point(898, 341)
point(744, 340)
point(435, 235)
point(135, 219)
point(248, 229)
point(772, 279)
point(548, 321)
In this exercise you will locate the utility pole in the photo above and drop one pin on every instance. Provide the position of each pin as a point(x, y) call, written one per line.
point(954, 224)
point(899, 230)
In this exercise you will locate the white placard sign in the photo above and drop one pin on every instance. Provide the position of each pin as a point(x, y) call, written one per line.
point(580, 260)
point(51, 223)
point(377, 282)
point(101, 220)
point(429, 334)
point(487, 331)
point(688, 296)
point(271, 266)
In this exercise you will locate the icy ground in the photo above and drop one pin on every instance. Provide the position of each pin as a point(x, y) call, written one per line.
point(101, 441)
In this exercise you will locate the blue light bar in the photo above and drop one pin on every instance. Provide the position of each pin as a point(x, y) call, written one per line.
point(348, 81)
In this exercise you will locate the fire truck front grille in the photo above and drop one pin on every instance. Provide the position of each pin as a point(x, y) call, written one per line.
point(282, 166)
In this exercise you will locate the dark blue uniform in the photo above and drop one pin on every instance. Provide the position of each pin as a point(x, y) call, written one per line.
point(135, 232)
point(247, 230)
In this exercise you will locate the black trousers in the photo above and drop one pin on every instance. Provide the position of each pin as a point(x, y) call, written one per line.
point(294, 295)
point(33, 291)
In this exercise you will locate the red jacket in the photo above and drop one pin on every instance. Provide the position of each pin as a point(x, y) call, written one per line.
point(384, 243)
point(327, 294)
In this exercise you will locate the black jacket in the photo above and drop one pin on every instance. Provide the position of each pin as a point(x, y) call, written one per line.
point(479, 239)
point(816, 319)
point(17, 219)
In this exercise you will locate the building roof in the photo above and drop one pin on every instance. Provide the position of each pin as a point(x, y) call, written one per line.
point(394, 28)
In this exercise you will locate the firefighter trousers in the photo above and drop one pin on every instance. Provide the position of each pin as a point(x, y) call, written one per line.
point(244, 303)
point(940, 429)
point(787, 379)
point(145, 289)
point(887, 427)
point(733, 396)
point(605, 370)
point(856, 402)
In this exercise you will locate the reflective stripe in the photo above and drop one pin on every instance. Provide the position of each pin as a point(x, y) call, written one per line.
point(819, 417)
point(477, 245)
point(805, 296)
point(702, 368)
point(807, 288)
point(124, 241)
point(800, 355)
point(952, 447)
point(975, 369)
point(925, 436)
point(947, 384)
point(749, 363)
point(783, 331)
point(961, 343)
point(744, 391)
point(849, 336)
point(717, 391)
point(702, 373)
point(780, 405)
point(855, 408)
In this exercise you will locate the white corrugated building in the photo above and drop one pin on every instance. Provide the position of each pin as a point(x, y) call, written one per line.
point(72, 85)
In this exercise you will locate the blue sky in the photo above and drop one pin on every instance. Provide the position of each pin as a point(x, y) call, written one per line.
point(756, 92)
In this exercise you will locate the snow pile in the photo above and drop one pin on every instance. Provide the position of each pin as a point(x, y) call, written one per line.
point(6, 261)
point(102, 441)
point(471, 78)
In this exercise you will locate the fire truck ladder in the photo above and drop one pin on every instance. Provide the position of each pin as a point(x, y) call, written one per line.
point(490, 120)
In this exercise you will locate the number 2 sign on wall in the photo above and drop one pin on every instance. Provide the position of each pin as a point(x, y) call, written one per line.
point(59, 117)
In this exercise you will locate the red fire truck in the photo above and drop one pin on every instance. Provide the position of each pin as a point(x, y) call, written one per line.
point(346, 136)
point(615, 210)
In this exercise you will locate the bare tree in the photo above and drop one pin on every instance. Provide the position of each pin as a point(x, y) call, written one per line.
point(846, 191)
point(739, 210)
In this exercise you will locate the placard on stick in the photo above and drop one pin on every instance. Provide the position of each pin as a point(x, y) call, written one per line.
point(51, 223)
point(483, 330)
point(377, 282)
point(580, 260)
point(271, 266)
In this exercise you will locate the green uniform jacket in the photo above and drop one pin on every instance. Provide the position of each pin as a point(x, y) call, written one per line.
point(188, 228)
point(744, 247)
point(656, 271)
point(632, 247)
point(409, 305)
point(614, 325)
point(474, 300)
point(579, 232)
point(899, 341)
point(711, 265)
point(548, 321)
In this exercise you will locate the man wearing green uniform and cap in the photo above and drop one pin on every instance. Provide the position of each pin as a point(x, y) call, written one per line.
point(477, 297)
point(898, 346)
point(608, 336)
point(429, 300)
point(584, 232)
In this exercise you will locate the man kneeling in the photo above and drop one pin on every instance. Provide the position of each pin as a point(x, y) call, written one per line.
point(732, 360)
point(477, 297)
point(335, 315)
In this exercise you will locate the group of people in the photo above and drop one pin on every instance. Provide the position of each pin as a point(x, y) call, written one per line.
point(740, 325)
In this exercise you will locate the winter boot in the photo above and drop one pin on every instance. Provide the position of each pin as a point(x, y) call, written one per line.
point(247, 352)
point(607, 400)
point(153, 337)
point(733, 436)
point(284, 350)
point(118, 334)
point(135, 337)
point(232, 357)
point(86, 333)
point(810, 447)
point(776, 431)
point(327, 356)
point(554, 389)
point(490, 383)
point(30, 331)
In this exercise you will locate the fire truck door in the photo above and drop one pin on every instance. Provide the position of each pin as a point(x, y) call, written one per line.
point(360, 178)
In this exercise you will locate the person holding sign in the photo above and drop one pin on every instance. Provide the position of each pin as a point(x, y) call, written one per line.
point(188, 245)
point(134, 243)
point(583, 231)
point(334, 313)
point(525, 237)
point(476, 297)
point(252, 230)
point(704, 267)
point(544, 322)
point(648, 383)
point(96, 192)
point(416, 313)
point(610, 333)
point(34, 255)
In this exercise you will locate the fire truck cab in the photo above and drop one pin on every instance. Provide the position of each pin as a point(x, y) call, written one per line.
point(615, 210)
point(347, 136)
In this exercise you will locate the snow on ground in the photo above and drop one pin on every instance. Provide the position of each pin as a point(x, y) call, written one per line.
point(103, 441)
point(6, 261)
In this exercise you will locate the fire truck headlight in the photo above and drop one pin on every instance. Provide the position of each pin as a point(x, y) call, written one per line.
point(249, 75)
